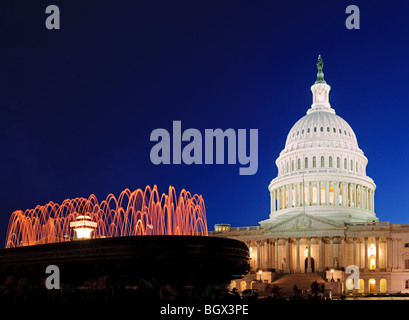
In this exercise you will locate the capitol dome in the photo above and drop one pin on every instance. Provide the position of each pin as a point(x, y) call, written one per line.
point(322, 170)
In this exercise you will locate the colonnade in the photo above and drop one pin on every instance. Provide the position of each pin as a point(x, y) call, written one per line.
point(332, 193)
point(322, 252)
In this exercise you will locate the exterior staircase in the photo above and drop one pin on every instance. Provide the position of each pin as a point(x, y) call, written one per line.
point(303, 281)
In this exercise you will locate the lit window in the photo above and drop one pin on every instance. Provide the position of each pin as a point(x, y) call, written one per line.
point(322, 195)
point(340, 196)
point(331, 195)
point(372, 263)
point(314, 195)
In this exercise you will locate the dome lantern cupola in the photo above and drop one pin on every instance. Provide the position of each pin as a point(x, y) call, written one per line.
point(320, 92)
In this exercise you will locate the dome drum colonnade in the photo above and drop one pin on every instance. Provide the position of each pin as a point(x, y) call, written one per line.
point(322, 166)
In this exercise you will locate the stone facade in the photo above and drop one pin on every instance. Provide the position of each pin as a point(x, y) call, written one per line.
point(322, 217)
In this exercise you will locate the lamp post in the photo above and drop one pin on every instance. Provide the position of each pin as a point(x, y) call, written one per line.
point(332, 274)
point(260, 272)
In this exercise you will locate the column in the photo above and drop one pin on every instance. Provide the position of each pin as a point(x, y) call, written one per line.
point(342, 252)
point(276, 266)
point(327, 193)
point(377, 253)
point(290, 196)
point(331, 251)
point(273, 201)
point(309, 269)
point(265, 255)
point(336, 193)
point(366, 253)
point(309, 194)
point(299, 198)
point(358, 243)
point(369, 199)
point(349, 195)
point(318, 193)
point(287, 255)
point(298, 269)
point(389, 252)
point(399, 244)
point(258, 264)
point(354, 247)
point(361, 190)
point(320, 255)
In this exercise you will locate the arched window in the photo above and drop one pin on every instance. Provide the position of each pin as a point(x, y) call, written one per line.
point(330, 162)
point(372, 284)
point(382, 286)
point(292, 165)
point(361, 286)
point(314, 162)
point(356, 166)
point(286, 167)
point(322, 162)
point(349, 283)
point(243, 285)
point(299, 164)
point(306, 163)
point(338, 162)
point(352, 165)
point(345, 164)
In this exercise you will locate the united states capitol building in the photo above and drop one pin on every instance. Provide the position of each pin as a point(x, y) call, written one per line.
point(322, 217)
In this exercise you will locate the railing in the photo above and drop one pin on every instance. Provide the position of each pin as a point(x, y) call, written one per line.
point(249, 228)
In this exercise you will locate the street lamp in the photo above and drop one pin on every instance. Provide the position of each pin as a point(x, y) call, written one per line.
point(332, 273)
point(260, 272)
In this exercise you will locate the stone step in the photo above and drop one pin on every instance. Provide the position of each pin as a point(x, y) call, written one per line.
point(303, 281)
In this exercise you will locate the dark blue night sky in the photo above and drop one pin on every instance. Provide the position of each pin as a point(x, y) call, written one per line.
point(77, 105)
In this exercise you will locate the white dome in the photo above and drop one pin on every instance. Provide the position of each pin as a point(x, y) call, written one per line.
point(321, 129)
point(322, 170)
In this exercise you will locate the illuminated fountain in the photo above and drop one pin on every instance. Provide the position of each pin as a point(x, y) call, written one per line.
point(139, 236)
point(83, 226)
point(141, 212)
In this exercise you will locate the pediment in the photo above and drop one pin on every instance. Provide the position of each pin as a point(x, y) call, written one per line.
point(303, 222)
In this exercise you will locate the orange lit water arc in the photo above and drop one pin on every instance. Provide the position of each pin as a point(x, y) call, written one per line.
point(141, 212)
